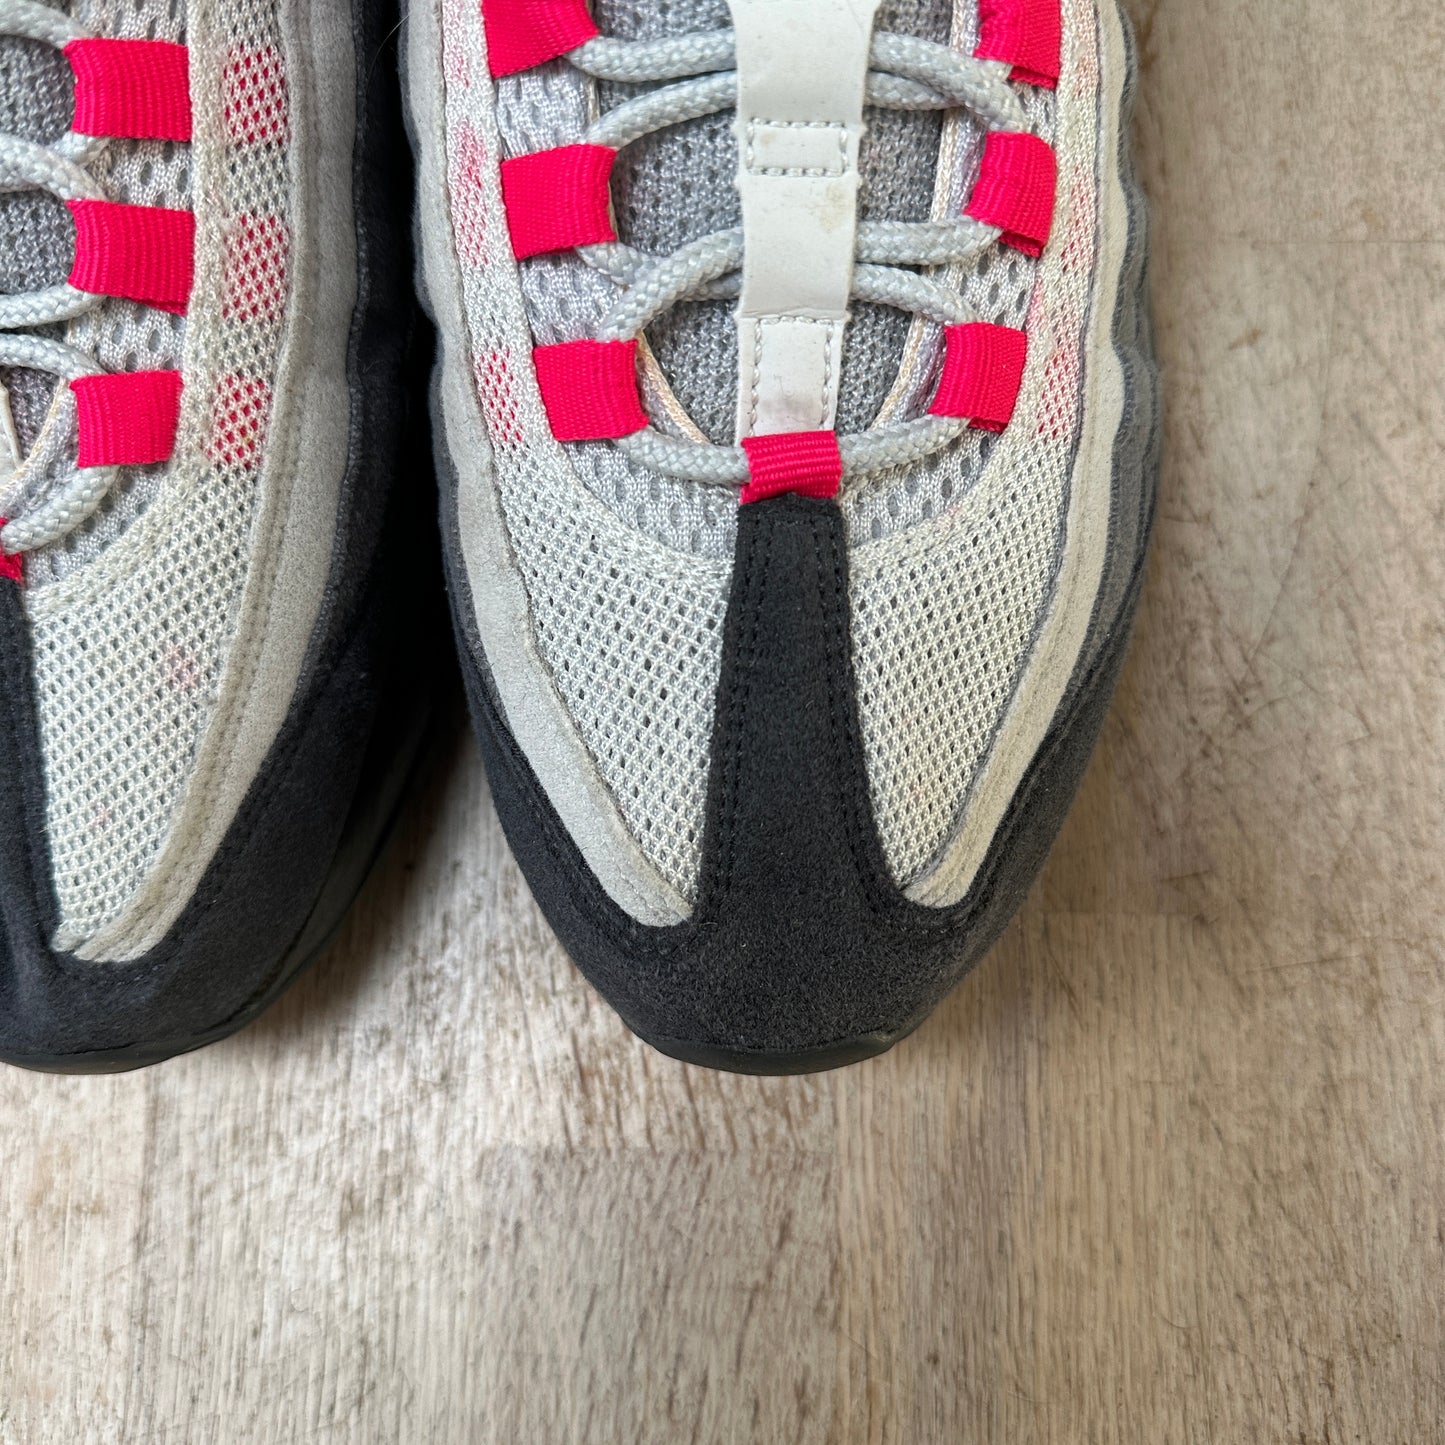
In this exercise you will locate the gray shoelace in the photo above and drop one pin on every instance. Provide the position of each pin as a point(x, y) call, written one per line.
point(59, 168)
point(908, 74)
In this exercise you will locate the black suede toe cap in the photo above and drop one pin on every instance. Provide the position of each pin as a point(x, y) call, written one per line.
point(801, 952)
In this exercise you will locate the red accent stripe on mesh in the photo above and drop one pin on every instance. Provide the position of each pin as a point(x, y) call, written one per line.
point(557, 199)
point(139, 89)
point(255, 99)
point(806, 462)
point(1028, 34)
point(127, 418)
point(524, 33)
point(256, 269)
point(12, 568)
point(983, 368)
point(1017, 178)
point(240, 420)
point(141, 253)
point(590, 389)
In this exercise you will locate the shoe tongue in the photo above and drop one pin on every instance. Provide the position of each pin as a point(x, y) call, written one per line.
point(678, 184)
point(36, 233)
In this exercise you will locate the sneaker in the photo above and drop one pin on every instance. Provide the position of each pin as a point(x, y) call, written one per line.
point(799, 452)
point(205, 310)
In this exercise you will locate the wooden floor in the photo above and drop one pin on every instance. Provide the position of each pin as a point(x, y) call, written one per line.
point(1169, 1168)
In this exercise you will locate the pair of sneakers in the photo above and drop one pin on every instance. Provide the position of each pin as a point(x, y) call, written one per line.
point(794, 417)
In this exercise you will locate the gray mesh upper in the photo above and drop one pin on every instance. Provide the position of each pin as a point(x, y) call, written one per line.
point(37, 247)
point(954, 561)
point(36, 233)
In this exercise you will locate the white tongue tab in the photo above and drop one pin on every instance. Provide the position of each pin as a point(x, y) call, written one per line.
point(802, 66)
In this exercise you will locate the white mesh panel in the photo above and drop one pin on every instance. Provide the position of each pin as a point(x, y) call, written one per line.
point(130, 633)
point(944, 615)
point(629, 628)
point(632, 637)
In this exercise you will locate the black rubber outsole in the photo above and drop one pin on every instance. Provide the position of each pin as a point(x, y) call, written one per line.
point(777, 1063)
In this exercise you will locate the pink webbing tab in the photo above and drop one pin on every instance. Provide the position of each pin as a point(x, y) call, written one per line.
point(1017, 178)
point(141, 253)
point(1027, 34)
point(590, 389)
point(127, 418)
point(524, 33)
point(11, 568)
point(983, 368)
point(138, 89)
point(558, 199)
point(806, 462)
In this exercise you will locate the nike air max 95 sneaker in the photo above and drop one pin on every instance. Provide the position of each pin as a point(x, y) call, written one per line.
point(798, 430)
point(203, 610)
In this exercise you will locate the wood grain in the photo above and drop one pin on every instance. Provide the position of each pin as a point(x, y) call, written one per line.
point(1169, 1168)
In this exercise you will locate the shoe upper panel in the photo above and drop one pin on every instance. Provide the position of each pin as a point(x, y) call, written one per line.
point(1111, 473)
point(169, 628)
point(600, 604)
point(624, 571)
point(956, 560)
